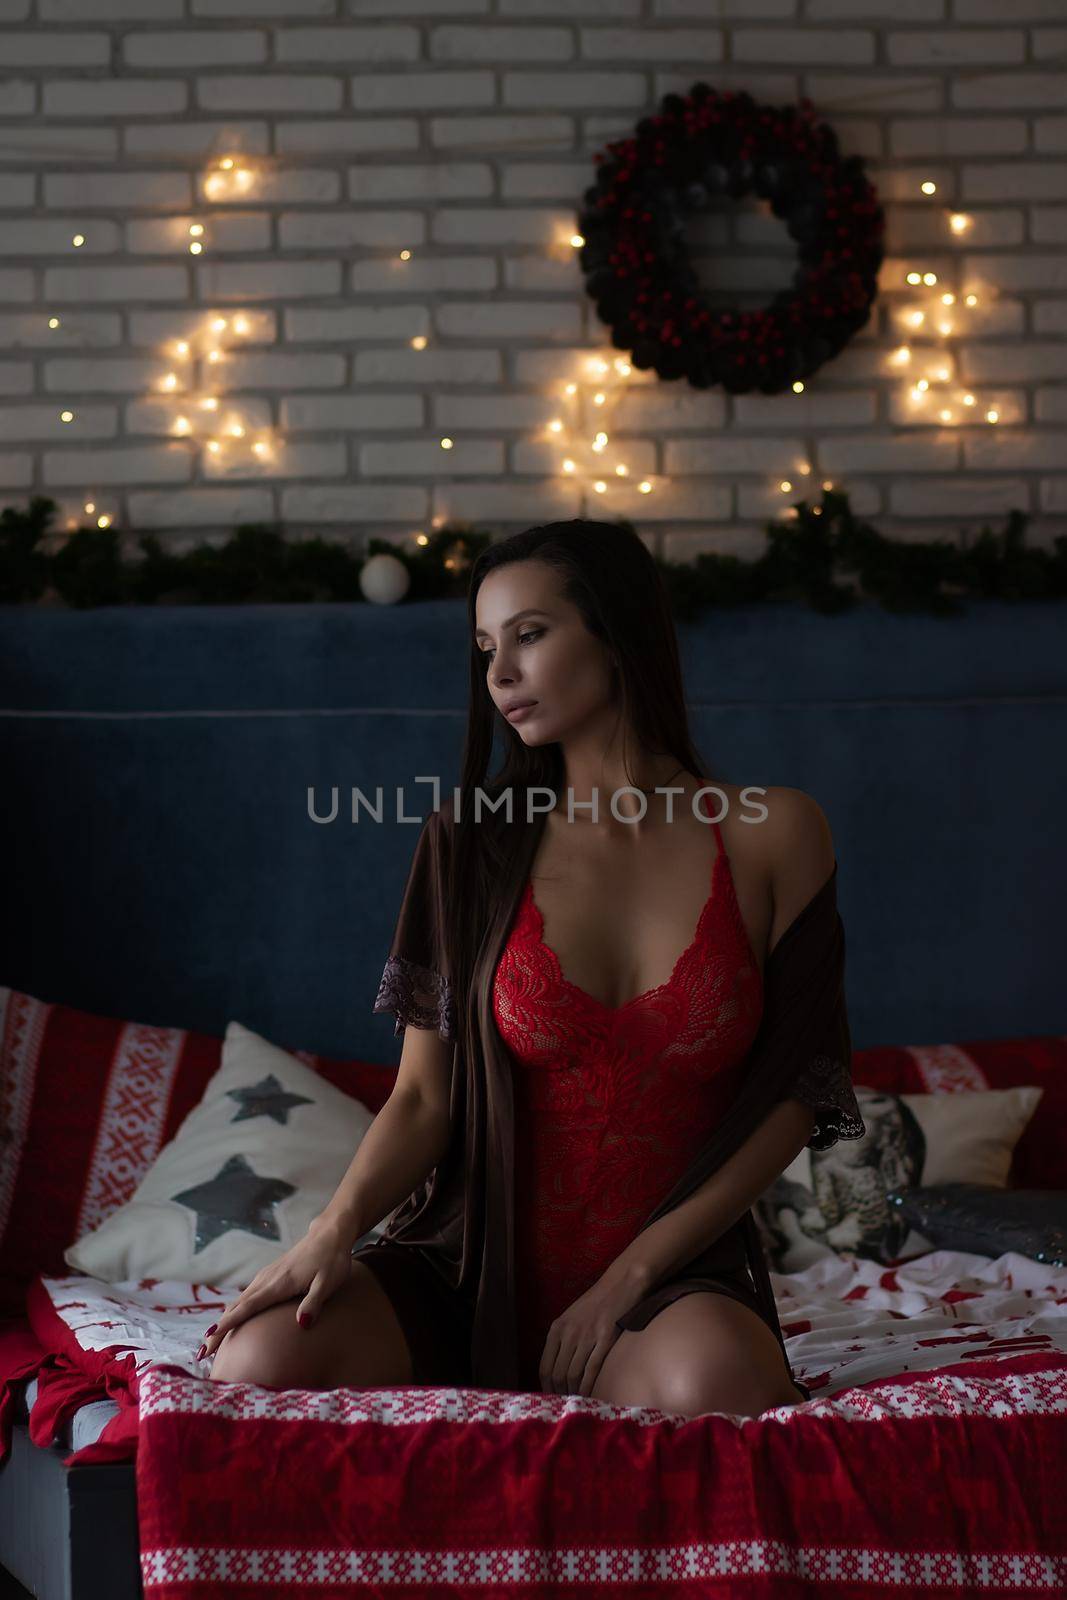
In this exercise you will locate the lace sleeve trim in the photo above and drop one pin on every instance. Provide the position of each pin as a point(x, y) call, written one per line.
point(826, 1086)
point(417, 995)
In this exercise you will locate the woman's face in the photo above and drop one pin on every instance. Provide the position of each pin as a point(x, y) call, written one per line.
point(546, 654)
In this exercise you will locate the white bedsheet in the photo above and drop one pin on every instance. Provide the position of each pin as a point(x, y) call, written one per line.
point(845, 1321)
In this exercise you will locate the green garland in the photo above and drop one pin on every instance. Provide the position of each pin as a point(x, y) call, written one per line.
point(825, 556)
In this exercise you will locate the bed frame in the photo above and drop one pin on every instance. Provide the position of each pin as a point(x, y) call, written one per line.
point(157, 762)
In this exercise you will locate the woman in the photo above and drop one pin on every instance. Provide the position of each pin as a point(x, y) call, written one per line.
point(586, 1114)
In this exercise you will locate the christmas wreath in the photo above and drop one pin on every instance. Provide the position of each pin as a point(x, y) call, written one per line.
point(636, 262)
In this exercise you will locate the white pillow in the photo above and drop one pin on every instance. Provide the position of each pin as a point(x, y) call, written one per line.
point(251, 1165)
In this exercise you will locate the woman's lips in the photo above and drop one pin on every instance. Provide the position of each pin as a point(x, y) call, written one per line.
point(521, 711)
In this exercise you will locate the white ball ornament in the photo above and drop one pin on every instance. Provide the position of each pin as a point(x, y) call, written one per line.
point(384, 579)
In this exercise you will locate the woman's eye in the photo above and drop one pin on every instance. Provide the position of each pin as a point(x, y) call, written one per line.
point(535, 633)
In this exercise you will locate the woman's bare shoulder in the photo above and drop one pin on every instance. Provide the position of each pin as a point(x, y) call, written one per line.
point(796, 847)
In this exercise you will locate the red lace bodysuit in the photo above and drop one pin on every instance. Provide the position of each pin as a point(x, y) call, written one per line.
point(613, 1102)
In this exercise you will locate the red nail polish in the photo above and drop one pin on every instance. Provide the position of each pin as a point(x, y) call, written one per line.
point(304, 1319)
point(200, 1352)
point(212, 1328)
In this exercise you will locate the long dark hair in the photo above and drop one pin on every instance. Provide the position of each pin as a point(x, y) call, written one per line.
point(609, 575)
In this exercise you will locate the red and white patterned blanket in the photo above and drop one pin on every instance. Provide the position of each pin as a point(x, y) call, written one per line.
point(949, 1483)
point(930, 1460)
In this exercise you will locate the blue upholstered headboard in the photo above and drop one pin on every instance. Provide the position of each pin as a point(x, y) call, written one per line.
point(161, 865)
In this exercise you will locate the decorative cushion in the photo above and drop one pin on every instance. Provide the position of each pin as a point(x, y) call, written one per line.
point(1040, 1160)
point(988, 1221)
point(834, 1201)
point(86, 1104)
point(247, 1171)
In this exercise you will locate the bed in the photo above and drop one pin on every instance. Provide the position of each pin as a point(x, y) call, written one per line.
point(166, 872)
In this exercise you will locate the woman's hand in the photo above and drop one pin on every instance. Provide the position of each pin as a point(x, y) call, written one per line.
point(315, 1268)
point(580, 1338)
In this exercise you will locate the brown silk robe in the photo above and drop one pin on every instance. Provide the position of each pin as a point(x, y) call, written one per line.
point(461, 1217)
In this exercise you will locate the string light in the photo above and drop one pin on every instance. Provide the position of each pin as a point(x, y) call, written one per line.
point(946, 327)
point(227, 175)
point(227, 179)
point(568, 431)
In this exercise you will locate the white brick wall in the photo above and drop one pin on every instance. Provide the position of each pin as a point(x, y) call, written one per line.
point(464, 132)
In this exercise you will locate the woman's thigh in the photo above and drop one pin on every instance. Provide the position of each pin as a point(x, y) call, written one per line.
point(703, 1352)
point(356, 1339)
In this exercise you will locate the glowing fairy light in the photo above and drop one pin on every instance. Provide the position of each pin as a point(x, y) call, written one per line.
point(569, 432)
point(419, 342)
point(66, 416)
point(78, 240)
point(798, 387)
point(446, 444)
point(405, 255)
point(944, 326)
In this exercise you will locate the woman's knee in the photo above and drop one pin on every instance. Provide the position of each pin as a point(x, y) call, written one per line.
point(356, 1339)
point(269, 1348)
